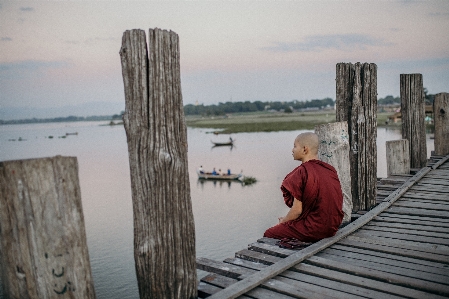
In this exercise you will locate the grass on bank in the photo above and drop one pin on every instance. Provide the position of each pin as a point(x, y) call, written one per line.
point(269, 121)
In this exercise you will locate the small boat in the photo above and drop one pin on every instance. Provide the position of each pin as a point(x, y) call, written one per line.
point(229, 143)
point(224, 177)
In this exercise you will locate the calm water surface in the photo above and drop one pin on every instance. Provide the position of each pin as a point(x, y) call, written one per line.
point(228, 216)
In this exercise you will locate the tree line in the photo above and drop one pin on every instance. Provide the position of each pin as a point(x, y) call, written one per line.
point(236, 107)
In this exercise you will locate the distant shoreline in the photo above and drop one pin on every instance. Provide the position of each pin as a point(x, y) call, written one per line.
point(59, 119)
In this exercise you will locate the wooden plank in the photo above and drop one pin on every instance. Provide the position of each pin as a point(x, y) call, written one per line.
point(244, 263)
point(270, 249)
point(376, 252)
point(441, 162)
point(423, 205)
point(249, 283)
point(426, 286)
point(317, 291)
point(430, 188)
point(386, 265)
point(437, 221)
point(257, 257)
point(418, 227)
point(405, 239)
point(427, 201)
point(221, 268)
point(406, 231)
point(357, 280)
point(392, 219)
point(422, 212)
point(205, 290)
point(396, 248)
point(361, 292)
point(223, 282)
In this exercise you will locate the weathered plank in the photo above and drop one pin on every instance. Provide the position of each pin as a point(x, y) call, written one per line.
point(402, 280)
point(386, 217)
point(441, 121)
point(388, 253)
point(356, 279)
point(419, 212)
point(164, 232)
point(421, 275)
point(418, 240)
point(416, 227)
point(428, 251)
point(413, 114)
point(42, 233)
point(223, 282)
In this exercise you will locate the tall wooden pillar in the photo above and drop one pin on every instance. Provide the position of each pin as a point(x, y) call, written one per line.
point(441, 114)
point(164, 232)
point(356, 103)
point(413, 117)
point(334, 149)
point(43, 249)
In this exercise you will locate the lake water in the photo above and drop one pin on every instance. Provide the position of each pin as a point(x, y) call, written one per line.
point(228, 216)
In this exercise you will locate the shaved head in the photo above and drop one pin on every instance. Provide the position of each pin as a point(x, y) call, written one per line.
point(310, 140)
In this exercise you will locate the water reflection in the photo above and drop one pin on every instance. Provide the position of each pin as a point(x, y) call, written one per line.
point(217, 183)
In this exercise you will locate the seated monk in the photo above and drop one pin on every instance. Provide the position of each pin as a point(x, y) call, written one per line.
point(313, 193)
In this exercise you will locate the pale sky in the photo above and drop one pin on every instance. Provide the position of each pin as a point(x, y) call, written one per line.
point(59, 53)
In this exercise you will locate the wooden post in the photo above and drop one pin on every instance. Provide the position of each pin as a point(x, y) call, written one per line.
point(356, 103)
point(441, 113)
point(398, 157)
point(334, 149)
point(164, 232)
point(43, 240)
point(413, 116)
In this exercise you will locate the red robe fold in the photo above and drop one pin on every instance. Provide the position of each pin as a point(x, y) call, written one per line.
point(314, 183)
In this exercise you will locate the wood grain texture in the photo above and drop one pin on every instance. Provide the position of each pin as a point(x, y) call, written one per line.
point(398, 157)
point(334, 149)
point(43, 240)
point(413, 115)
point(164, 233)
point(441, 114)
point(356, 103)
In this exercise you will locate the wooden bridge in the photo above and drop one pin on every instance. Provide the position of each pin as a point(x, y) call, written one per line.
point(398, 249)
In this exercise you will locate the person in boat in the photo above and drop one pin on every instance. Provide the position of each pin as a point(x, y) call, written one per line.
point(214, 172)
point(219, 172)
point(313, 193)
point(201, 170)
point(229, 171)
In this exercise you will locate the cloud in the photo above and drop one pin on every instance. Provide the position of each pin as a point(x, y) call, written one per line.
point(27, 9)
point(6, 39)
point(317, 43)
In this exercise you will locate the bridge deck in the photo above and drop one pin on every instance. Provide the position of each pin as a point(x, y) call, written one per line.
point(398, 249)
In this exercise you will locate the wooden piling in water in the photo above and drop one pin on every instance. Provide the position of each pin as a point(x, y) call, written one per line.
point(356, 103)
point(441, 114)
point(43, 250)
point(164, 232)
point(398, 157)
point(334, 149)
point(413, 115)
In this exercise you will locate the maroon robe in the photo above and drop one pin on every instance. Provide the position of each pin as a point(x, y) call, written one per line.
point(314, 183)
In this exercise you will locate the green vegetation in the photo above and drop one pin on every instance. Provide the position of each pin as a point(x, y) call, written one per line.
point(263, 121)
point(248, 180)
point(239, 107)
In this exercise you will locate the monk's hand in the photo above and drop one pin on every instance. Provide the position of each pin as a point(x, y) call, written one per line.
point(280, 219)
